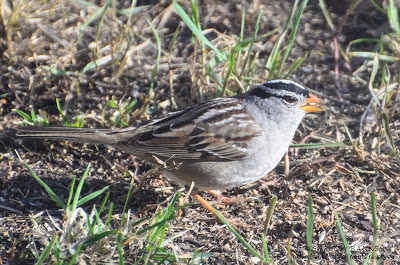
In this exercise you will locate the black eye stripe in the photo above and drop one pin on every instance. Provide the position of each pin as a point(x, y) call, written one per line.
point(261, 93)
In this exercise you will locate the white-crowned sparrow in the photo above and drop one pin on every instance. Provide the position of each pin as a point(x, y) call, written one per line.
point(218, 144)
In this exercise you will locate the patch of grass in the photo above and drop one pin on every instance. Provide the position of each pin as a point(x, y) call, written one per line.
point(33, 119)
point(372, 256)
point(381, 85)
point(79, 120)
point(230, 66)
point(276, 64)
point(39, 120)
point(89, 237)
point(121, 113)
point(252, 250)
point(378, 73)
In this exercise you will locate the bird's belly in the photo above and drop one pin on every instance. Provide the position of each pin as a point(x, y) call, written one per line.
point(223, 175)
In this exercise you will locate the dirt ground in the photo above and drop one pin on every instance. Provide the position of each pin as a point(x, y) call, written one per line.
point(338, 179)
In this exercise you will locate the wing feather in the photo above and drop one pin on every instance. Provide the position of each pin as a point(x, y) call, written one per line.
point(216, 130)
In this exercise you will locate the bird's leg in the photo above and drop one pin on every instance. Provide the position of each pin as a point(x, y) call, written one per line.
point(225, 199)
point(233, 223)
point(287, 164)
point(203, 202)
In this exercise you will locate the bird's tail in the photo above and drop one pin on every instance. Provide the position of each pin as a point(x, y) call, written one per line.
point(84, 135)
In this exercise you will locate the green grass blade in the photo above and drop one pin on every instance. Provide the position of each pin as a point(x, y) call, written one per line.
point(97, 221)
point(247, 41)
point(196, 31)
point(56, 253)
point(274, 57)
point(132, 104)
point(371, 55)
point(344, 240)
point(119, 248)
point(159, 233)
point(326, 14)
point(101, 17)
point(103, 203)
point(265, 248)
point(127, 202)
point(295, 23)
point(49, 191)
point(362, 40)
point(270, 211)
point(241, 239)
point(289, 251)
point(155, 225)
point(231, 63)
point(272, 64)
point(393, 17)
point(71, 191)
point(195, 13)
point(93, 18)
point(91, 196)
point(47, 250)
point(33, 115)
point(195, 252)
point(253, 38)
point(99, 62)
point(366, 261)
point(242, 24)
point(293, 66)
point(140, 221)
point(131, 10)
point(310, 227)
point(97, 237)
point(79, 189)
point(61, 112)
point(378, 7)
point(90, 225)
point(109, 215)
point(24, 116)
point(171, 51)
point(73, 258)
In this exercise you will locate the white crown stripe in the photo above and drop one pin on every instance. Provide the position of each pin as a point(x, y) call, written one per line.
point(289, 82)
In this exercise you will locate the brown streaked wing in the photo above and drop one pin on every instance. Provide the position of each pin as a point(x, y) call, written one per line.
point(215, 130)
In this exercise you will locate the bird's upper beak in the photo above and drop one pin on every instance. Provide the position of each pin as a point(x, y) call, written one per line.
point(312, 104)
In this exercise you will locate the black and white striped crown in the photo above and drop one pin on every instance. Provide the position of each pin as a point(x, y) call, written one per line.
point(278, 88)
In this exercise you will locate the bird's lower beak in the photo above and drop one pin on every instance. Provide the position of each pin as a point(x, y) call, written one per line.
point(312, 104)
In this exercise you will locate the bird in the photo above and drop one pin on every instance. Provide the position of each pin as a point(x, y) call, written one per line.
point(218, 144)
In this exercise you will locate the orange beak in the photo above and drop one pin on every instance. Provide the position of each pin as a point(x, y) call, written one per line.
point(312, 104)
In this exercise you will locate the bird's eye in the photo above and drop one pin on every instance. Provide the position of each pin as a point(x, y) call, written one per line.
point(289, 99)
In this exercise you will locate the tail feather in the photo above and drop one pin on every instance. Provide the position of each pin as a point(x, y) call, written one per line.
point(84, 135)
